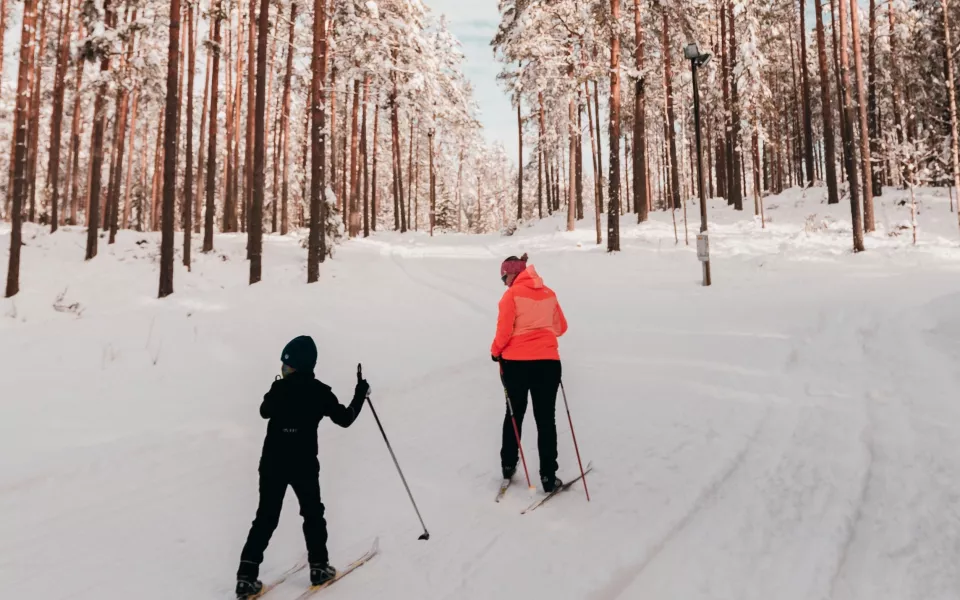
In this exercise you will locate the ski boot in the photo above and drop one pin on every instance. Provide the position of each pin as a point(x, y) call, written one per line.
point(248, 589)
point(550, 483)
point(509, 471)
point(321, 573)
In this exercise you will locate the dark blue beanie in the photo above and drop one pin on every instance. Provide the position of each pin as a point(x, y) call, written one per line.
point(300, 353)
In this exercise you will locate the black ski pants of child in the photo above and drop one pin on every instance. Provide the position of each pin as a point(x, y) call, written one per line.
point(541, 380)
point(273, 486)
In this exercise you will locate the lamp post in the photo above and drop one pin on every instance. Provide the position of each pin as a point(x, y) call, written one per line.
point(697, 59)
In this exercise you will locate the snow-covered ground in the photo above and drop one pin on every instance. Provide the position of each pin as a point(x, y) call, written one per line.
point(792, 432)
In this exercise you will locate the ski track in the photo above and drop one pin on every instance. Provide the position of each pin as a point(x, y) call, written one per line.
point(623, 580)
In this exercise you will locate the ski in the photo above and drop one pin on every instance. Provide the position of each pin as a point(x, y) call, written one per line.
point(503, 489)
point(282, 578)
point(343, 573)
point(539, 502)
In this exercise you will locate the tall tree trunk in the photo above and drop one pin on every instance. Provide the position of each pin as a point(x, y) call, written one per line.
point(285, 122)
point(895, 77)
point(735, 185)
point(350, 201)
point(34, 119)
point(119, 139)
point(726, 176)
point(170, 153)
point(671, 116)
point(73, 166)
point(124, 223)
point(572, 185)
point(96, 143)
point(519, 159)
point(255, 227)
point(20, 147)
point(188, 179)
point(848, 124)
point(433, 187)
point(613, 212)
point(318, 178)
point(845, 144)
point(598, 209)
point(868, 219)
point(541, 151)
point(374, 204)
point(399, 216)
point(951, 88)
point(639, 124)
point(198, 214)
point(807, 116)
point(596, 113)
point(52, 195)
point(829, 140)
point(248, 159)
point(873, 108)
point(579, 169)
point(212, 137)
point(364, 153)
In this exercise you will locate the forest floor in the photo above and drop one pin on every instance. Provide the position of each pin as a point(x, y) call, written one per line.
point(791, 432)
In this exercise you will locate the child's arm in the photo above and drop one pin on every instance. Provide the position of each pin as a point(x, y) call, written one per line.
point(344, 416)
point(268, 409)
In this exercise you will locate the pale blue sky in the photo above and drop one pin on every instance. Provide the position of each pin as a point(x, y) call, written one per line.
point(474, 22)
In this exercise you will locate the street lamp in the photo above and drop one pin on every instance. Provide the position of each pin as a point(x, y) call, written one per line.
point(698, 59)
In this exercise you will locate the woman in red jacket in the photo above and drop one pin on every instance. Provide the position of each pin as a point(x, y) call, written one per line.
point(529, 323)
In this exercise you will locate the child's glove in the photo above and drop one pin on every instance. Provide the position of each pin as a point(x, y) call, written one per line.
point(362, 390)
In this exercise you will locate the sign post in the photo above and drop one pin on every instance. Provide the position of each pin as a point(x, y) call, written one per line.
point(703, 254)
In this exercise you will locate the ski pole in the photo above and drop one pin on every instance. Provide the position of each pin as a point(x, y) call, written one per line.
point(516, 430)
point(575, 447)
point(425, 535)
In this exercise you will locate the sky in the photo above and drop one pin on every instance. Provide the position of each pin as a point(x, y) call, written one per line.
point(474, 22)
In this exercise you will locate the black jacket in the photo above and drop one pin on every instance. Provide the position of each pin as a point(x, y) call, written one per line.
point(294, 407)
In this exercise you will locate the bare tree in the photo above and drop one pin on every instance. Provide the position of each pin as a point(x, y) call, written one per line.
point(170, 153)
point(96, 142)
point(211, 190)
point(318, 179)
point(52, 194)
point(639, 124)
point(255, 226)
point(848, 125)
point(868, 219)
point(829, 140)
point(613, 212)
point(951, 88)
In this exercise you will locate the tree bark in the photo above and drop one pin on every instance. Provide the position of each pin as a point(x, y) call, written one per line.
point(872, 106)
point(829, 140)
point(170, 153)
point(613, 212)
point(351, 210)
point(374, 205)
point(433, 187)
point(572, 185)
point(255, 227)
point(598, 208)
point(951, 89)
point(671, 116)
point(96, 144)
point(519, 159)
point(399, 214)
point(52, 195)
point(848, 125)
point(364, 154)
point(807, 116)
point(20, 148)
point(868, 219)
point(639, 124)
point(285, 124)
point(188, 201)
point(735, 186)
point(212, 138)
point(252, 115)
point(318, 178)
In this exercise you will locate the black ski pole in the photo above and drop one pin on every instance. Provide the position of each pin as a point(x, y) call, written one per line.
point(426, 534)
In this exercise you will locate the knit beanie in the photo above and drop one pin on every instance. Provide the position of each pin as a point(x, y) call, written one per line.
point(513, 266)
point(300, 353)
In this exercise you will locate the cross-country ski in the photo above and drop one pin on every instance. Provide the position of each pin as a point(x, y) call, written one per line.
point(540, 501)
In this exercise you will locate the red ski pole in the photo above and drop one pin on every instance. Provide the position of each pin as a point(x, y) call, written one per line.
point(575, 447)
point(516, 430)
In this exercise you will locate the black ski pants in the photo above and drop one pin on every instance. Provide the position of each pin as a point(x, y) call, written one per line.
point(273, 486)
point(541, 380)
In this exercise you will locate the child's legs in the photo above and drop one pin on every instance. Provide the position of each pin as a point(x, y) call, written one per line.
point(307, 489)
point(272, 489)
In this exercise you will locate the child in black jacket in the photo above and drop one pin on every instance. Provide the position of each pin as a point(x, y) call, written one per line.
point(294, 407)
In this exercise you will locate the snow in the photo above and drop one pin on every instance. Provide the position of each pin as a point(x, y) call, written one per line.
point(790, 432)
